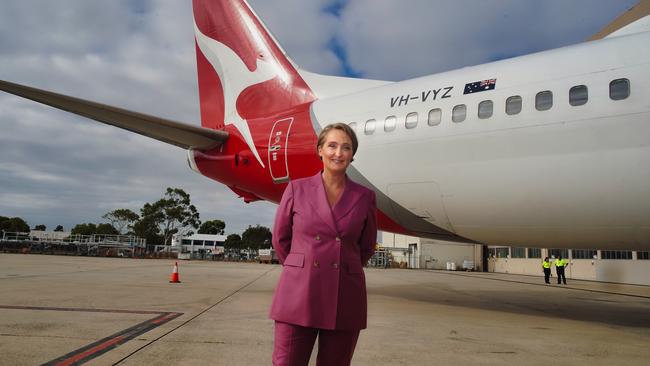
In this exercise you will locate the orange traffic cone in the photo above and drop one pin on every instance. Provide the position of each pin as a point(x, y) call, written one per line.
point(175, 278)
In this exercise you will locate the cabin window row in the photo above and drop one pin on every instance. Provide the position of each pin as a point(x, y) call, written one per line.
point(619, 89)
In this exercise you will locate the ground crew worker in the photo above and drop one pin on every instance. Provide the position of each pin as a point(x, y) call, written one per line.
point(546, 265)
point(560, 265)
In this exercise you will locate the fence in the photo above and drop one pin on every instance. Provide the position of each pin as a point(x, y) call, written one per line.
point(56, 243)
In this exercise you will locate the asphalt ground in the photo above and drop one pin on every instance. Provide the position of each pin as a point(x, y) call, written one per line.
point(106, 311)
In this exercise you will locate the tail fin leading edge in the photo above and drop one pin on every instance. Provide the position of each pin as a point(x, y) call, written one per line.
point(243, 73)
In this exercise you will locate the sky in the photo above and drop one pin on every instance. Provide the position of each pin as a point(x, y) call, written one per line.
point(60, 169)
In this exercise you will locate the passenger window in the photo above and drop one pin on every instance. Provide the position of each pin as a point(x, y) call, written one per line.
point(435, 117)
point(544, 100)
point(619, 89)
point(485, 109)
point(578, 95)
point(370, 127)
point(411, 120)
point(513, 105)
point(390, 123)
point(459, 113)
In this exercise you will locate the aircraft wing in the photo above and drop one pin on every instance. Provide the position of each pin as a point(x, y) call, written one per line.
point(634, 15)
point(171, 132)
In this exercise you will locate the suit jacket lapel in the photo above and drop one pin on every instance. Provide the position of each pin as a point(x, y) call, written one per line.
point(347, 202)
point(320, 204)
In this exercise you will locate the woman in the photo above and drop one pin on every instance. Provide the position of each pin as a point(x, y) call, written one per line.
point(325, 231)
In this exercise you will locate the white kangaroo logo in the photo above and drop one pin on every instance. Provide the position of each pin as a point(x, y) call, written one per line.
point(235, 77)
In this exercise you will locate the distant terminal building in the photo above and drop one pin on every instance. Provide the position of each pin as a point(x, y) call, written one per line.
point(618, 266)
point(422, 253)
point(198, 245)
point(621, 266)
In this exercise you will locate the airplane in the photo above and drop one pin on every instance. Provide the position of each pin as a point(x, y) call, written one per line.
point(543, 150)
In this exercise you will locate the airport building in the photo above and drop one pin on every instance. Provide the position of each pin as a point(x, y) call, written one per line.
point(198, 245)
point(617, 266)
point(425, 253)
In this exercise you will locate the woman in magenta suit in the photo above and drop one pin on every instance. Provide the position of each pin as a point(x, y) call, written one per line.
point(325, 231)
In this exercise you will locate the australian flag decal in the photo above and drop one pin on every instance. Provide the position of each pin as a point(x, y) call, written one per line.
point(479, 86)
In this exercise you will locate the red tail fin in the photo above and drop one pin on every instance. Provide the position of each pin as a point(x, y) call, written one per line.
point(242, 71)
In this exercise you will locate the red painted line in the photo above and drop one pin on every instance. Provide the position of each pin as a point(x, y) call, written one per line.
point(165, 319)
point(92, 350)
point(98, 348)
point(46, 308)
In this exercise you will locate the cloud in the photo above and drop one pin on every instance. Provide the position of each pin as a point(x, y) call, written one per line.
point(57, 168)
point(397, 40)
point(305, 29)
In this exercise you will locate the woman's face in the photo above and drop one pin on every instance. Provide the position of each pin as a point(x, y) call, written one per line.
point(336, 152)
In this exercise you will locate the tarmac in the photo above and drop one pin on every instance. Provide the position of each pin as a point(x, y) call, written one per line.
point(121, 311)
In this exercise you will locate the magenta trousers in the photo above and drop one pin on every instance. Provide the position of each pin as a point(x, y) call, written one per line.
point(293, 345)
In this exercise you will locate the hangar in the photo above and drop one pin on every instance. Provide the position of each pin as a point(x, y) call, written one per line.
point(617, 266)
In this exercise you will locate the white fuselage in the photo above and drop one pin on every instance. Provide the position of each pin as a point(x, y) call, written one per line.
point(571, 176)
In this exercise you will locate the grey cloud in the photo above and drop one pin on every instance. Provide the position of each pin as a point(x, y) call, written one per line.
point(75, 170)
point(304, 30)
point(51, 27)
point(56, 168)
point(396, 40)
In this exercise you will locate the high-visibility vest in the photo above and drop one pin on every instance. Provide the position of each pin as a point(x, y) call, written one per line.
point(546, 264)
point(560, 263)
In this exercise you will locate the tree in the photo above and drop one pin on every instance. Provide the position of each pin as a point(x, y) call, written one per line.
point(214, 227)
point(174, 213)
point(106, 229)
point(147, 228)
point(233, 243)
point(256, 237)
point(59, 228)
point(180, 215)
point(13, 225)
point(4, 223)
point(84, 229)
point(122, 218)
point(40, 227)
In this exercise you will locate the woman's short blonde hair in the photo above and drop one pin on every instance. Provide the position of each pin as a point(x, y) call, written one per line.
point(342, 127)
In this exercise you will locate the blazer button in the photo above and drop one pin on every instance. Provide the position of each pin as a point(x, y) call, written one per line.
point(316, 264)
point(335, 265)
point(338, 239)
point(317, 237)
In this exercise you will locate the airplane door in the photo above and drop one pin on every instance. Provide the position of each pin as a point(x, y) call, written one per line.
point(278, 165)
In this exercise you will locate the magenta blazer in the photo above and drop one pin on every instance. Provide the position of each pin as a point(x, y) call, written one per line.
point(323, 251)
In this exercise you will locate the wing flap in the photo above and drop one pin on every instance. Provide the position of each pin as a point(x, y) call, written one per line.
point(168, 131)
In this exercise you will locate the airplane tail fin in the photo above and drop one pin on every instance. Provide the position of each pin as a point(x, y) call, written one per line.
point(242, 71)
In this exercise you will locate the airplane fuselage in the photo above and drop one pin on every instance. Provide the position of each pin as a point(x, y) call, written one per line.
point(544, 150)
point(562, 170)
